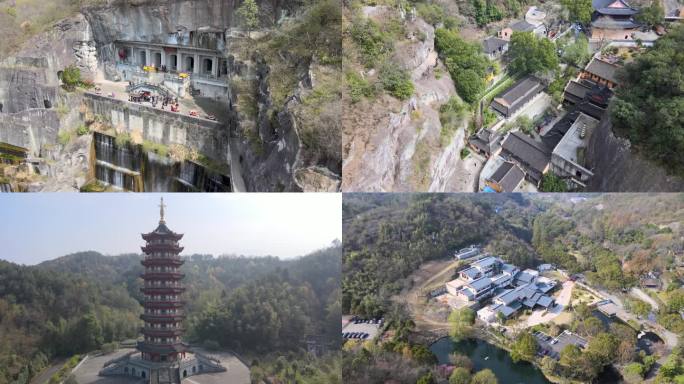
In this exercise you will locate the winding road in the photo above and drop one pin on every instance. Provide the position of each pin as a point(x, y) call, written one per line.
point(670, 338)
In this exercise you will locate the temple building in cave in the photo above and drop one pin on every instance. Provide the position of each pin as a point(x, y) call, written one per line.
point(198, 57)
point(161, 356)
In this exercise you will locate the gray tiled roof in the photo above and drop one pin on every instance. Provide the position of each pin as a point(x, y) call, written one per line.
point(509, 296)
point(502, 171)
point(606, 22)
point(545, 301)
point(519, 90)
point(602, 69)
point(493, 44)
point(522, 26)
point(480, 284)
point(486, 262)
point(614, 7)
point(524, 277)
point(577, 89)
point(506, 310)
point(533, 155)
point(471, 272)
point(508, 176)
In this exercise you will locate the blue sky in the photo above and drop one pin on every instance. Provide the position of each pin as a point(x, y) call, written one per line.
point(38, 227)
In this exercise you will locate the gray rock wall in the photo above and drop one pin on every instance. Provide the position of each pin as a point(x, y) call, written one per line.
point(272, 167)
point(30, 77)
point(31, 128)
point(617, 169)
point(200, 23)
point(23, 88)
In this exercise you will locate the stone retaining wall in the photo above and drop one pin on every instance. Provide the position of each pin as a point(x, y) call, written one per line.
point(164, 127)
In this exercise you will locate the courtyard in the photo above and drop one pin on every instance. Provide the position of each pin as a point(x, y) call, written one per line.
point(236, 371)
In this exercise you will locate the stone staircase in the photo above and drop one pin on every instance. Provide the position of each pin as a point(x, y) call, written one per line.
point(162, 90)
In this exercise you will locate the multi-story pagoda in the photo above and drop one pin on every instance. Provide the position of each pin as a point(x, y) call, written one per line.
point(161, 356)
point(163, 316)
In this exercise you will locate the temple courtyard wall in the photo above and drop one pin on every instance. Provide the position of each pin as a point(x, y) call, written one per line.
point(236, 371)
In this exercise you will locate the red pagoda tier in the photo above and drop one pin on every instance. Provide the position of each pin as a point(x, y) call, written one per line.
point(162, 288)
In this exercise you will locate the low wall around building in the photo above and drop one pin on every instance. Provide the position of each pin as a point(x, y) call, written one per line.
point(163, 127)
point(214, 89)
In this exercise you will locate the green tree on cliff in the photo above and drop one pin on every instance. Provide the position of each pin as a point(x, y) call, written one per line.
point(249, 14)
point(71, 77)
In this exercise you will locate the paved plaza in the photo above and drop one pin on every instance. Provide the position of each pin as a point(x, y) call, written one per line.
point(236, 372)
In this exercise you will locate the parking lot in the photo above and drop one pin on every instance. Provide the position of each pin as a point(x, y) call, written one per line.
point(552, 346)
point(362, 329)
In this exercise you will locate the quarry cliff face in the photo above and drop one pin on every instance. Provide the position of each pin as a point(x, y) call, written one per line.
point(29, 79)
point(618, 169)
point(395, 146)
point(33, 108)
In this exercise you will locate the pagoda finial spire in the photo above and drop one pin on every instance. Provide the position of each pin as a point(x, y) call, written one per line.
point(161, 211)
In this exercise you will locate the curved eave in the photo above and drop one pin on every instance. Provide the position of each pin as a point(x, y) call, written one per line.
point(147, 249)
point(602, 23)
point(162, 318)
point(618, 12)
point(164, 304)
point(162, 290)
point(156, 235)
point(161, 261)
point(162, 276)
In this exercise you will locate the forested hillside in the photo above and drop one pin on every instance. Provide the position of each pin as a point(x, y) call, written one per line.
point(387, 238)
point(612, 239)
point(49, 313)
point(651, 96)
point(253, 305)
point(642, 233)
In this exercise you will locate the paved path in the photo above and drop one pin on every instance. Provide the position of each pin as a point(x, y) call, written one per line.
point(44, 376)
point(641, 295)
point(670, 338)
point(542, 316)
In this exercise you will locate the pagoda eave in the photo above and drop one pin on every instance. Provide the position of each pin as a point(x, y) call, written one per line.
point(162, 276)
point(164, 304)
point(162, 318)
point(162, 291)
point(148, 249)
point(154, 236)
point(161, 261)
